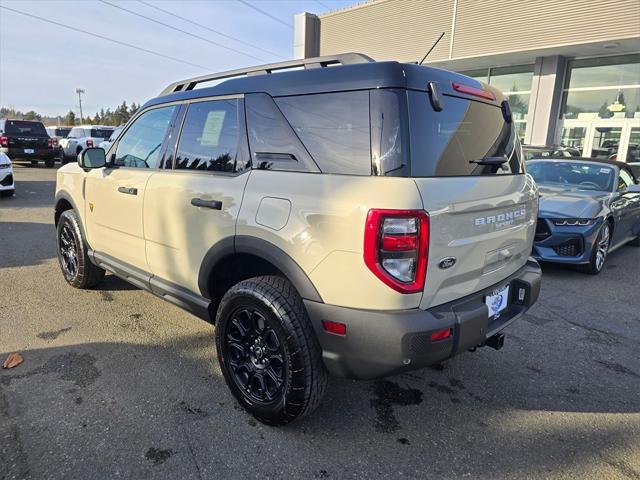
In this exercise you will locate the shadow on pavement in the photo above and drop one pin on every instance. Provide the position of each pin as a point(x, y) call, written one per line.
point(163, 411)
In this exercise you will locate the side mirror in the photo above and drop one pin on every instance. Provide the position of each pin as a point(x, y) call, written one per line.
point(92, 158)
point(633, 189)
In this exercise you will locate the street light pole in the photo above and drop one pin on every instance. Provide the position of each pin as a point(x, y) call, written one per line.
point(80, 91)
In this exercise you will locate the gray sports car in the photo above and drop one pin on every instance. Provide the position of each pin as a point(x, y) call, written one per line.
point(588, 207)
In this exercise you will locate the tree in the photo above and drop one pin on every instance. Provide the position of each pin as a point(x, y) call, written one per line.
point(70, 118)
point(31, 115)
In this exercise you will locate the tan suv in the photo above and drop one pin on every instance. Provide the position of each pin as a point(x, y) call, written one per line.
point(359, 220)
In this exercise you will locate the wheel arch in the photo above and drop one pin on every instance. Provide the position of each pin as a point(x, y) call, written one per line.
point(234, 259)
point(63, 202)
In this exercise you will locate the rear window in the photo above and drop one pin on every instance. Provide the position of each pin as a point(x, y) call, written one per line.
point(334, 128)
point(452, 141)
point(101, 133)
point(20, 127)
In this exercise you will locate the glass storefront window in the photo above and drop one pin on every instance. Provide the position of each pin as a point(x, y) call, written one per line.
point(573, 137)
point(606, 141)
point(633, 150)
point(602, 88)
point(515, 83)
point(512, 79)
point(604, 71)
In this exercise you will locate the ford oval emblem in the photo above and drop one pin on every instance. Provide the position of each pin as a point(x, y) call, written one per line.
point(447, 262)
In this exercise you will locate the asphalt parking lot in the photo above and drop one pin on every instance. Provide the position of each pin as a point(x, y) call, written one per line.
point(117, 383)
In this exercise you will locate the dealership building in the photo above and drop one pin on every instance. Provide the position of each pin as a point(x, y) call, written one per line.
point(570, 68)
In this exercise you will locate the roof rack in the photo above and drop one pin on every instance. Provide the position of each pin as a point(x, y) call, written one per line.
point(315, 62)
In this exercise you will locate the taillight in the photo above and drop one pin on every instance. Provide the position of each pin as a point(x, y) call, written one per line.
point(476, 92)
point(396, 247)
point(90, 143)
point(4, 141)
point(52, 142)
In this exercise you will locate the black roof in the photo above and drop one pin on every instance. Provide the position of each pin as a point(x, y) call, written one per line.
point(359, 76)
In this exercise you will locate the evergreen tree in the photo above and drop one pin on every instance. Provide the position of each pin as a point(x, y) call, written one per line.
point(70, 118)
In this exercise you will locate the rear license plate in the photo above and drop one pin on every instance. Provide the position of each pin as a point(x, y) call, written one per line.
point(497, 301)
point(28, 150)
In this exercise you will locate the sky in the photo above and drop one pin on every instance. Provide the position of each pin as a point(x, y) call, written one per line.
point(42, 64)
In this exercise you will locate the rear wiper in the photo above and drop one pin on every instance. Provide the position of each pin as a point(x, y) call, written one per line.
point(494, 161)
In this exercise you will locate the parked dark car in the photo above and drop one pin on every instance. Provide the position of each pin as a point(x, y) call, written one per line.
point(588, 207)
point(26, 140)
point(532, 152)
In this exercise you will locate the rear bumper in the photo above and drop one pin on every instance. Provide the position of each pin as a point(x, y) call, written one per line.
point(380, 343)
point(38, 154)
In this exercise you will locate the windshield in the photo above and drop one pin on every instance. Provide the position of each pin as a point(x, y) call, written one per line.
point(101, 133)
point(19, 127)
point(580, 175)
point(115, 133)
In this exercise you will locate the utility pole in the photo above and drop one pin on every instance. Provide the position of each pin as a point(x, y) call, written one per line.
point(80, 91)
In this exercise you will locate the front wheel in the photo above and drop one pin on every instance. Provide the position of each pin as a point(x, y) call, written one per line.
point(62, 157)
point(600, 251)
point(268, 352)
point(73, 254)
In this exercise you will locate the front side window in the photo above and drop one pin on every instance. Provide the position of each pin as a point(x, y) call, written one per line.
point(334, 128)
point(140, 145)
point(210, 135)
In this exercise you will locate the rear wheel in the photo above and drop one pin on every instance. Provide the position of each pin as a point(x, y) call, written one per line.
point(49, 162)
point(7, 193)
point(268, 352)
point(600, 251)
point(73, 254)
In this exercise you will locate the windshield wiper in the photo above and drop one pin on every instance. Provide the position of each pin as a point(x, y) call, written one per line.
point(494, 161)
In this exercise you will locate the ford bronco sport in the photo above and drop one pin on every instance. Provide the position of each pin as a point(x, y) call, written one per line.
point(351, 217)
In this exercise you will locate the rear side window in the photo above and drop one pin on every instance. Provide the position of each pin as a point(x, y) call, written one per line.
point(210, 135)
point(140, 145)
point(19, 127)
point(450, 142)
point(100, 133)
point(334, 128)
point(62, 132)
point(273, 143)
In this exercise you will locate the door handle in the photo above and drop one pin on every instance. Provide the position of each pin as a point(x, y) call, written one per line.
point(128, 190)
point(212, 204)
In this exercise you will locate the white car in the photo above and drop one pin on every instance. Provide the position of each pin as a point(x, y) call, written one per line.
point(107, 143)
point(7, 187)
point(79, 138)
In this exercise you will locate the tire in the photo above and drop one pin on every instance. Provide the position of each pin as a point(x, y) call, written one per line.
point(600, 251)
point(76, 267)
point(274, 369)
point(62, 157)
point(50, 162)
point(7, 193)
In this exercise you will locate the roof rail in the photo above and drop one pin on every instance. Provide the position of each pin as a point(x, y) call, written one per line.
point(315, 62)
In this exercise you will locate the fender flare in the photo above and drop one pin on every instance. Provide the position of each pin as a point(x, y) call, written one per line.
point(63, 195)
point(260, 248)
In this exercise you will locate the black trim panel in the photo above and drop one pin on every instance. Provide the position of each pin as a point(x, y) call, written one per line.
point(179, 296)
point(260, 248)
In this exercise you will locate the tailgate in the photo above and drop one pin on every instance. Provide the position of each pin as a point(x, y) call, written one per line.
point(466, 160)
point(486, 224)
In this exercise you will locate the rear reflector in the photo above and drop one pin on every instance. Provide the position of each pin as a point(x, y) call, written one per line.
point(334, 327)
point(476, 92)
point(441, 334)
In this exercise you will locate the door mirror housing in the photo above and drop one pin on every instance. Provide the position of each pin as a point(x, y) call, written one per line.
point(91, 158)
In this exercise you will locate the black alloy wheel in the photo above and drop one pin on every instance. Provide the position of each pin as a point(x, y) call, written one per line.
point(255, 355)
